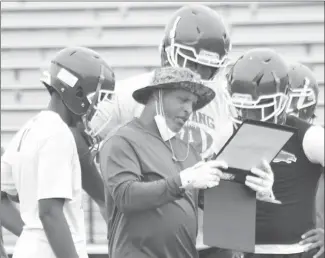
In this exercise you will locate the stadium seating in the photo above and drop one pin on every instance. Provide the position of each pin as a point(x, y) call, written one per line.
point(128, 35)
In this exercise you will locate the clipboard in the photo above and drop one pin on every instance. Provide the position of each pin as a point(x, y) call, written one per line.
point(229, 218)
point(252, 141)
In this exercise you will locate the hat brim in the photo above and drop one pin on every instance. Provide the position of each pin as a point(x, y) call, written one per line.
point(205, 94)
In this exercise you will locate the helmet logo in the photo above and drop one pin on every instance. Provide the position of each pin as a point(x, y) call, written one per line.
point(67, 77)
point(172, 32)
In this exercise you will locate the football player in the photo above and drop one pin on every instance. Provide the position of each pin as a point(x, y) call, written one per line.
point(41, 164)
point(197, 38)
point(92, 181)
point(258, 84)
point(303, 99)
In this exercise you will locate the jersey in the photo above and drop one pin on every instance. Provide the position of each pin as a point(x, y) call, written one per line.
point(295, 185)
point(42, 162)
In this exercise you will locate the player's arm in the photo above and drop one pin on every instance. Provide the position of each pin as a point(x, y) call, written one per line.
point(92, 181)
point(3, 253)
point(313, 144)
point(9, 215)
point(320, 202)
point(122, 174)
point(55, 182)
point(56, 227)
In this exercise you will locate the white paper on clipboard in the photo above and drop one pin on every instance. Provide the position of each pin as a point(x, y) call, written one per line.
point(252, 143)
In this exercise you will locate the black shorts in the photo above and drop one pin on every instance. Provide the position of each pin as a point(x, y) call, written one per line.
point(215, 253)
point(309, 254)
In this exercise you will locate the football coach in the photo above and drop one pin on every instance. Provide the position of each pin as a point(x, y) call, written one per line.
point(152, 177)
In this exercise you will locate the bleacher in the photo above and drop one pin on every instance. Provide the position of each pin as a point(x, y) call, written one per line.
point(128, 35)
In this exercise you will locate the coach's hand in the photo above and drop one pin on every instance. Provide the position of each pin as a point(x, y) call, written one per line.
point(262, 183)
point(203, 175)
point(314, 239)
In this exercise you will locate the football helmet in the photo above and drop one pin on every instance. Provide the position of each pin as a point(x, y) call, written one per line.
point(303, 92)
point(258, 86)
point(196, 35)
point(84, 81)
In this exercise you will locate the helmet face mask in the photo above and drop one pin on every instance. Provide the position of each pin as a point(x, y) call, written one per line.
point(301, 99)
point(303, 93)
point(266, 108)
point(179, 55)
point(101, 104)
point(99, 115)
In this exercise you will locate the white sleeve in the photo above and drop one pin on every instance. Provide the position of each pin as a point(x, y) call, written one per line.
point(313, 144)
point(7, 181)
point(128, 107)
point(55, 167)
point(8, 160)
